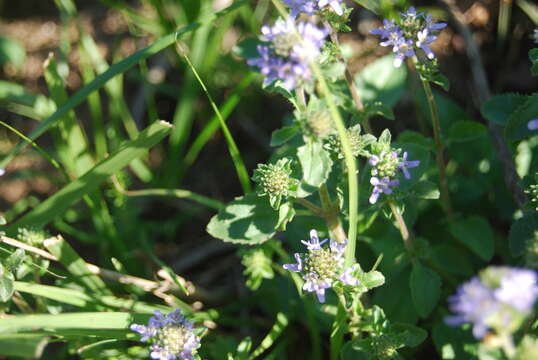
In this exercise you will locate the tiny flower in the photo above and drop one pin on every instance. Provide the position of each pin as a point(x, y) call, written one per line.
point(403, 48)
point(499, 299)
point(432, 26)
point(533, 124)
point(381, 186)
point(302, 6)
point(405, 164)
point(384, 31)
point(424, 40)
point(321, 267)
point(336, 5)
point(171, 336)
point(275, 181)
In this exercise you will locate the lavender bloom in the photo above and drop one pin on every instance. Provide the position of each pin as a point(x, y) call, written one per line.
point(432, 26)
point(533, 124)
point(336, 5)
point(405, 164)
point(403, 49)
point(381, 186)
point(473, 303)
point(499, 299)
point(322, 267)
point(289, 50)
point(424, 41)
point(171, 336)
point(309, 7)
point(384, 31)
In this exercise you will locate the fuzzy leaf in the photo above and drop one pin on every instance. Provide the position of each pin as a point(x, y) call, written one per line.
point(425, 289)
point(475, 232)
point(316, 164)
point(247, 220)
point(499, 108)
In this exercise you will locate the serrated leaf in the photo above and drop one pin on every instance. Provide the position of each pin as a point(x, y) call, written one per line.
point(316, 165)
point(499, 108)
point(462, 131)
point(425, 287)
point(283, 135)
point(248, 48)
point(381, 81)
point(247, 220)
point(522, 232)
point(385, 137)
point(426, 190)
point(475, 232)
point(517, 126)
point(372, 279)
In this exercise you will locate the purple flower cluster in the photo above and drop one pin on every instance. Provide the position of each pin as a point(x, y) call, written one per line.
point(171, 336)
point(289, 50)
point(322, 267)
point(309, 7)
point(412, 31)
point(533, 124)
point(384, 168)
point(494, 300)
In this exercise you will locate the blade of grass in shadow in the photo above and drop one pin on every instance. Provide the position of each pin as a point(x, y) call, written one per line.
point(178, 193)
point(76, 266)
point(280, 325)
point(58, 203)
point(113, 71)
point(214, 124)
point(232, 147)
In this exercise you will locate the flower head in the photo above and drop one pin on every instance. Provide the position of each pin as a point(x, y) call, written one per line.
point(533, 124)
point(171, 336)
point(410, 32)
point(275, 181)
point(499, 299)
point(322, 267)
point(288, 51)
point(383, 185)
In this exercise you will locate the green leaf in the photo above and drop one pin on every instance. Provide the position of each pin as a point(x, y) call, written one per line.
point(381, 81)
point(22, 345)
point(59, 323)
point(425, 190)
point(11, 51)
point(517, 126)
point(372, 279)
point(453, 343)
point(475, 232)
point(6, 285)
point(522, 232)
point(247, 220)
point(58, 203)
point(279, 326)
point(425, 287)
point(15, 260)
point(357, 350)
point(385, 137)
point(378, 108)
point(413, 137)
point(283, 135)
point(372, 5)
point(248, 48)
point(414, 152)
point(408, 334)
point(398, 308)
point(316, 164)
point(441, 80)
point(499, 108)
point(286, 213)
point(462, 131)
point(452, 260)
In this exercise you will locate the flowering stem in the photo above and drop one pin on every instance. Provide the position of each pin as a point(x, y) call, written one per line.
point(350, 83)
point(351, 166)
point(402, 226)
point(445, 199)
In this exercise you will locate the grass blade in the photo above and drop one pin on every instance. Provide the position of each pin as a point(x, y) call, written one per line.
point(63, 199)
point(280, 325)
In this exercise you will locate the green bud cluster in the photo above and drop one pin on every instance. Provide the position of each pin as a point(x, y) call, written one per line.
point(275, 181)
point(319, 124)
point(355, 142)
point(284, 42)
point(323, 263)
point(172, 338)
point(387, 165)
point(32, 236)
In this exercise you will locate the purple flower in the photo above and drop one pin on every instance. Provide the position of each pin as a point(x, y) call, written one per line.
point(384, 31)
point(336, 5)
point(473, 303)
point(405, 164)
point(381, 186)
point(432, 26)
point(322, 267)
point(171, 336)
point(309, 7)
point(289, 51)
point(424, 41)
point(533, 124)
point(499, 299)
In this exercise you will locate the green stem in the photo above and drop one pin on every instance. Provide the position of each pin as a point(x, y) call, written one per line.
point(330, 214)
point(439, 147)
point(505, 12)
point(316, 210)
point(402, 226)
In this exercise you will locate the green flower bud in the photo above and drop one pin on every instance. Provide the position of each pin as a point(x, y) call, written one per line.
point(319, 124)
point(275, 181)
point(356, 142)
point(32, 236)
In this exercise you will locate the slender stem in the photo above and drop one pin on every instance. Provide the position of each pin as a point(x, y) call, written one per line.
point(351, 83)
point(330, 214)
point(402, 226)
point(352, 172)
point(316, 210)
point(505, 12)
point(439, 148)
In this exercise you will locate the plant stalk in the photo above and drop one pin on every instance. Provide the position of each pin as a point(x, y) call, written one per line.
point(402, 226)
